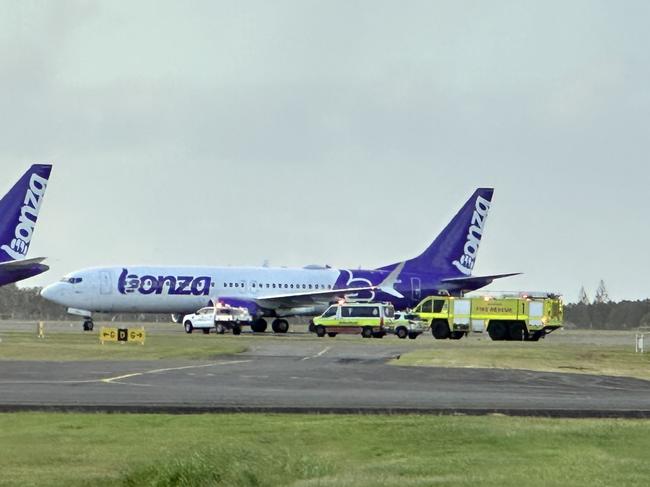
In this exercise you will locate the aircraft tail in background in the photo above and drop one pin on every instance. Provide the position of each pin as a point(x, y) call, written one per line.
point(453, 253)
point(19, 210)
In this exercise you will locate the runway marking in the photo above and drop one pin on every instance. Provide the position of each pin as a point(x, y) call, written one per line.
point(114, 380)
point(323, 351)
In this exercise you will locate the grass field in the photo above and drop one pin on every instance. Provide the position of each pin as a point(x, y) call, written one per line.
point(86, 346)
point(547, 356)
point(283, 450)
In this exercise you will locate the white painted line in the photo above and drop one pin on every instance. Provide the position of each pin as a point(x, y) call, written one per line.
point(323, 351)
point(112, 380)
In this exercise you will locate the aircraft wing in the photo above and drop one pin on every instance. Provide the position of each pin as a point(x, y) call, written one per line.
point(309, 297)
point(475, 282)
point(329, 295)
point(17, 270)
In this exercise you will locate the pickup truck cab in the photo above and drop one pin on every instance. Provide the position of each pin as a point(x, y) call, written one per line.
point(222, 318)
point(367, 319)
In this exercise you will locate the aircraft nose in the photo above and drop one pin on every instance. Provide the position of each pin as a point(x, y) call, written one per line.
point(50, 292)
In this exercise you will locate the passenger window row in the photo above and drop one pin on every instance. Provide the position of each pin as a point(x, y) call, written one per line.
point(278, 286)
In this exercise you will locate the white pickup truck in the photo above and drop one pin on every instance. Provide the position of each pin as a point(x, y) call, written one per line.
point(407, 325)
point(221, 317)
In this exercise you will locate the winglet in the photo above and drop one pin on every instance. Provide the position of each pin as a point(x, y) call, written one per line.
point(388, 284)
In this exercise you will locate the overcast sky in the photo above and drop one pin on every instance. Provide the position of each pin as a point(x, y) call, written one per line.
point(346, 133)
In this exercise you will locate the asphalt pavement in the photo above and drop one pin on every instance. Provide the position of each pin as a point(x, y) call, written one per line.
point(313, 376)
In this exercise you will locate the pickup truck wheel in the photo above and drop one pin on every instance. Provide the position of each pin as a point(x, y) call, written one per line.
point(401, 332)
point(456, 335)
point(320, 331)
point(366, 332)
point(188, 327)
point(331, 334)
point(236, 330)
point(440, 330)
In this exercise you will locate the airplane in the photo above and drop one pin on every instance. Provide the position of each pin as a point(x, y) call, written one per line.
point(272, 292)
point(19, 210)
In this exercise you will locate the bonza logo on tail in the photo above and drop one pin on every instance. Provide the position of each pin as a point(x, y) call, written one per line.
point(17, 248)
point(466, 262)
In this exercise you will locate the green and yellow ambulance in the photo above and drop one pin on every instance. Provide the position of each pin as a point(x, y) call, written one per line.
point(367, 319)
point(521, 317)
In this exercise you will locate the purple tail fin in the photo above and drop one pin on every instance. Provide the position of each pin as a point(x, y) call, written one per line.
point(453, 252)
point(19, 211)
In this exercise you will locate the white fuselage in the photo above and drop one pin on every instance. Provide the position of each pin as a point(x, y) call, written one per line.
point(161, 289)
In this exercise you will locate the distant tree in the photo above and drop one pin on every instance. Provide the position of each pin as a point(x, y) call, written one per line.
point(645, 320)
point(601, 293)
point(582, 296)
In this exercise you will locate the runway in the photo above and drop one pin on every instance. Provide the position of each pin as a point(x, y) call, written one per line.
point(315, 377)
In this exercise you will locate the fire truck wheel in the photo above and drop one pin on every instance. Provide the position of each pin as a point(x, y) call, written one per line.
point(366, 332)
point(440, 330)
point(188, 327)
point(456, 335)
point(320, 331)
point(534, 337)
point(236, 330)
point(331, 334)
point(280, 326)
point(516, 332)
point(401, 332)
point(206, 331)
point(497, 330)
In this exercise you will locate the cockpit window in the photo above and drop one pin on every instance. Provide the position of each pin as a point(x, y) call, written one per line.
point(72, 280)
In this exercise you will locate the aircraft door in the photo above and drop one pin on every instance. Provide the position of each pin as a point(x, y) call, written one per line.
point(416, 288)
point(105, 283)
point(254, 287)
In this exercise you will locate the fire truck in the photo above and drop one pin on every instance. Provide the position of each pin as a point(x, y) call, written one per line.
point(524, 316)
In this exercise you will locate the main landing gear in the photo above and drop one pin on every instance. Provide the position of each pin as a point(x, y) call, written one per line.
point(259, 325)
point(88, 324)
point(280, 326)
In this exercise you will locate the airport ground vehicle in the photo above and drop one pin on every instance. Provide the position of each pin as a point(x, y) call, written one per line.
point(221, 317)
point(525, 316)
point(368, 319)
point(407, 325)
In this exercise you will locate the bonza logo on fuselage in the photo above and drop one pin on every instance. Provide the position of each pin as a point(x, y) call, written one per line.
point(129, 283)
point(466, 262)
point(17, 248)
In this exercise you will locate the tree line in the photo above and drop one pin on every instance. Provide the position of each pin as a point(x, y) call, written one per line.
point(608, 315)
point(27, 304)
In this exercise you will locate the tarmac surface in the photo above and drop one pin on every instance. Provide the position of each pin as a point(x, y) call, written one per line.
point(313, 376)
